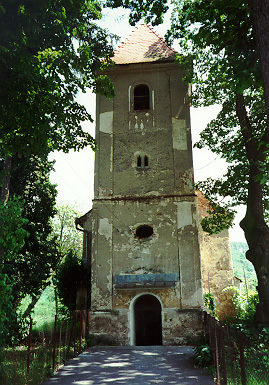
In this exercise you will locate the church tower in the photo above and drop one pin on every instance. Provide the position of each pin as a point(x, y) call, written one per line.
point(145, 262)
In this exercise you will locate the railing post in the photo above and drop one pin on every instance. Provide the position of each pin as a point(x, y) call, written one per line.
point(29, 349)
point(242, 358)
point(70, 339)
point(223, 379)
point(216, 350)
point(87, 324)
point(80, 330)
point(54, 342)
point(75, 334)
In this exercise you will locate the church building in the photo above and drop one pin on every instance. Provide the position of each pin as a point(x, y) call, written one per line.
point(142, 233)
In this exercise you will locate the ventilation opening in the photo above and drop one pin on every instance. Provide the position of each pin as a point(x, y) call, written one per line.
point(144, 231)
point(141, 97)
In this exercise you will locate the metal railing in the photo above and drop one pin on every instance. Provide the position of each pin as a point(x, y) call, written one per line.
point(239, 358)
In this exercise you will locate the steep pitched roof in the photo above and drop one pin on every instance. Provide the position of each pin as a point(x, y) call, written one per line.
point(142, 46)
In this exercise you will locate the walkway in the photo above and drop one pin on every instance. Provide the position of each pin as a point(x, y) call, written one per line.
point(137, 365)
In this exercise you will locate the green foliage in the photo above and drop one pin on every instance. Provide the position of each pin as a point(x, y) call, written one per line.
point(202, 353)
point(7, 313)
point(50, 50)
point(203, 357)
point(210, 305)
point(245, 306)
point(217, 38)
point(218, 218)
point(241, 264)
point(71, 275)
point(68, 237)
point(13, 232)
point(29, 266)
point(224, 138)
point(44, 310)
point(150, 10)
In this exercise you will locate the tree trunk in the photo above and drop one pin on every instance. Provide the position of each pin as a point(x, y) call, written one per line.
point(31, 305)
point(260, 19)
point(254, 226)
point(257, 237)
point(6, 180)
point(5, 194)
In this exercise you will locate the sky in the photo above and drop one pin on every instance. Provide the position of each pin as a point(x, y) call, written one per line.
point(74, 172)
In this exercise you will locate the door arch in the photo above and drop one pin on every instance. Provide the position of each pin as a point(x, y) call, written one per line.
point(147, 320)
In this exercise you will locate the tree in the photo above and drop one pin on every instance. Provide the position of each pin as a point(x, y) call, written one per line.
point(50, 50)
point(29, 264)
point(68, 237)
point(71, 275)
point(67, 277)
point(218, 38)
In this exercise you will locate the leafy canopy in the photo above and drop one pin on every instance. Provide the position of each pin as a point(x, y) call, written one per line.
point(50, 50)
point(29, 264)
point(218, 46)
point(150, 10)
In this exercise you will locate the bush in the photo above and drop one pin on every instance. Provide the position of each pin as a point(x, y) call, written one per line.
point(7, 313)
point(71, 275)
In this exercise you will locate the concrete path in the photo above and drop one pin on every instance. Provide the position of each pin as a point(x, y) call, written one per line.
point(163, 365)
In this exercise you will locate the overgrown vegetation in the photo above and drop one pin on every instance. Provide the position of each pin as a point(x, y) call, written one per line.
point(231, 337)
point(243, 268)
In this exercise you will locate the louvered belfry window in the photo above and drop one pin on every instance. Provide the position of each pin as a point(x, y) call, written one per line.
point(141, 97)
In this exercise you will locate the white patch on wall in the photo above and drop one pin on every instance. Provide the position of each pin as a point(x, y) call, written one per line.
point(184, 214)
point(105, 228)
point(179, 134)
point(106, 122)
point(194, 300)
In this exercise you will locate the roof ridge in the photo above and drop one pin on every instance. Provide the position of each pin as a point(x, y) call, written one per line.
point(143, 45)
point(122, 43)
point(158, 36)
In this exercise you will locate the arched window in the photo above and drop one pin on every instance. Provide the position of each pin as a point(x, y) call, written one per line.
point(142, 161)
point(141, 97)
point(146, 161)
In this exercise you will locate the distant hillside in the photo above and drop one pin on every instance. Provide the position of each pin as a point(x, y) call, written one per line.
point(238, 250)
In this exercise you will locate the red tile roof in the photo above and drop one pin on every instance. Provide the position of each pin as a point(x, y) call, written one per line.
point(142, 46)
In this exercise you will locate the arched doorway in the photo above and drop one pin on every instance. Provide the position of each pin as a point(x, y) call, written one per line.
point(148, 321)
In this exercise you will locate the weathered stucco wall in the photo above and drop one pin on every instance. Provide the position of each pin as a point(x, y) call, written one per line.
point(216, 264)
point(159, 195)
point(162, 133)
point(171, 249)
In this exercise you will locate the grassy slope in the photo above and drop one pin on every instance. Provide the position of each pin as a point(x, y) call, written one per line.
point(240, 263)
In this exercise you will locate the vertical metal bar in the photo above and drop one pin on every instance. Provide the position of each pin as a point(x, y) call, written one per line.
point(75, 334)
point(80, 330)
point(29, 349)
point(242, 358)
point(223, 380)
point(70, 339)
point(60, 344)
point(216, 350)
point(54, 343)
point(87, 324)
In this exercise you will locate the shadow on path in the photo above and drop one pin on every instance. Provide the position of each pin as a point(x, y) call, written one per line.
point(132, 365)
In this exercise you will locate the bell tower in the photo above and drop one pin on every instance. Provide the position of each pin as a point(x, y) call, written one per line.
point(146, 277)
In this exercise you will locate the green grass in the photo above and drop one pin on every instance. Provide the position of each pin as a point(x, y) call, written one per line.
point(13, 369)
